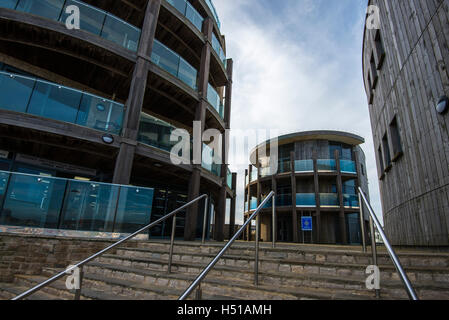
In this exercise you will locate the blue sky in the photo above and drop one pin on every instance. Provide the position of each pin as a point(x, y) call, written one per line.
point(305, 58)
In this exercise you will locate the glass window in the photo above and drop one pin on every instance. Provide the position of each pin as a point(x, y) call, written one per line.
point(381, 159)
point(100, 114)
point(121, 33)
point(396, 138)
point(50, 9)
point(33, 201)
point(89, 206)
point(386, 149)
point(134, 209)
point(91, 19)
point(15, 92)
point(9, 4)
point(55, 102)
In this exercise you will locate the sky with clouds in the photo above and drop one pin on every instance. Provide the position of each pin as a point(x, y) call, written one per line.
point(297, 67)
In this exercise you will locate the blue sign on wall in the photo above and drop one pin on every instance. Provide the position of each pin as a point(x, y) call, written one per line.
point(306, 224)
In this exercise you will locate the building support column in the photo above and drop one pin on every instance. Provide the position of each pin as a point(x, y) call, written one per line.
point(125, 157)
point(341, 216)
point(295, 226)
point(274, 188)
point(317, 196)
point(200, 116)
point(248, 228)
point(233, 202)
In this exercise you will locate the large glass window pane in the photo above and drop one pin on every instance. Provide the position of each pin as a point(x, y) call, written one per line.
point(100, 114)
point(89, 206)
point(187, 73)
point(165, 58)
point(50, 9)
point(15, 92)
point(134, 209)
point(33, 201)
point(120, 32)
point(55, 102)
point(91, 19)
point(9, 4)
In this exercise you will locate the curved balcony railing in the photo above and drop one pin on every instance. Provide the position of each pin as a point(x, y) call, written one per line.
point(326, 165)
point(208, 161)
point(174, 64)
point(189, 12)
point(348, 166)
point(214, 99)
point(92, 19)
point(56, 203)
point(329, 200)
point(304, 166)
point(49, 100)
point(219, 50)
point(155, 133)
point(214, 12)
point(305, 200)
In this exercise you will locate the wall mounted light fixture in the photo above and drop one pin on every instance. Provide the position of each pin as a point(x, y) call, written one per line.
point(443, 105)
point(107, 138)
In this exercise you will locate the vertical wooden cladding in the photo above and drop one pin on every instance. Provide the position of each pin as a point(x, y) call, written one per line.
point(408, 132)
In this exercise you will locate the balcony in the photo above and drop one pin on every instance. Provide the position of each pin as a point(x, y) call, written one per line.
point(185, 8)
point(214, 12)
point(303, 166)
point(219, 50)
point(92, 19)
point(208, 162)
point(55, 203)
point(326, 165)
point(351, 201)
point(174, 64)
point(305, 200)
point(155, 133)
point(53, 101)
point(329, 200)
point(214, 99)
point(347, 166)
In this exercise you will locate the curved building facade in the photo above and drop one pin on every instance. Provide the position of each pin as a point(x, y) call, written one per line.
point(87, 111)
point(405, 68)
point(315, 176)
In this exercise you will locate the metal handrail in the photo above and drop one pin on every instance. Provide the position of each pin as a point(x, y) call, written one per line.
point(374, 220)
point(96, 255)
point(197, 282)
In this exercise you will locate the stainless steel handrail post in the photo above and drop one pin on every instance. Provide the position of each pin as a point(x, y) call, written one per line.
point(409, 288)
point(214, 261)
point(78, 291)
point(99, 253)
point(206, 210)
point(274, 221)
point(256, 258)
point(172, 242)
point(362, 223)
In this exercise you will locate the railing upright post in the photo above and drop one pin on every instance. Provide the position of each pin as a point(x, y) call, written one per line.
point(199, 293)
point(273, 223)
point(206, 204)
point(374, 249)
point(172, 242)
point(362, 223)
point(78, 291)
point(256, 259)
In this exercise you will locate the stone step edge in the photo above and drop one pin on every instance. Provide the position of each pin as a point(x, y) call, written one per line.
point(391, 284)
point(17, 290)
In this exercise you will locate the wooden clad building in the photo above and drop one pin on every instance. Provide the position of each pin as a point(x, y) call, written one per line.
point(405, 69)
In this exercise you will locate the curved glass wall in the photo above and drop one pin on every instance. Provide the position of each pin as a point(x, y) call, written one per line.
point(55, 203)
point(214, 99)
point(53, 101)
point(189, 12)
point(174, 64)
point(92, 19)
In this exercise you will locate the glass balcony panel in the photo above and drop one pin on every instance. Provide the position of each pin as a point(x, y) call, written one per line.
point(55, 102)
point(351, 201)
point(254, 174)
point(284, 166)
point(348, 166)
point(33, 201)
point(253, 204)
point(15, 92)
point(283, 200)
point(194, 17)
point(121, 33)
point(208, 161)
point(216, 45)
point(229, 179)
point(100, 114)
point(246, 180)
point(50, 9)
point(134, 209)
point(180, 5)
point(326, 165)
point(214, 99)
point(89, 206)
point(8, 4)
point(91, 19)
point(265, 172)
point(214, 12)
point(305, 200)
point(155, 133)
point(4, 178)
point(304, 165)
point(187, 73)
point(329, 200)
point(165, 58)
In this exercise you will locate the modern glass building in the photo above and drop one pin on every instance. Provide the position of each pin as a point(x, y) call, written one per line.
point(315, 176)
point(86, 115)
point(405, 69)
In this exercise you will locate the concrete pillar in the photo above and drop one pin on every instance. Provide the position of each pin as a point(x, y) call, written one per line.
point(317, 196)
point(295, 227)
point(341, 215)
